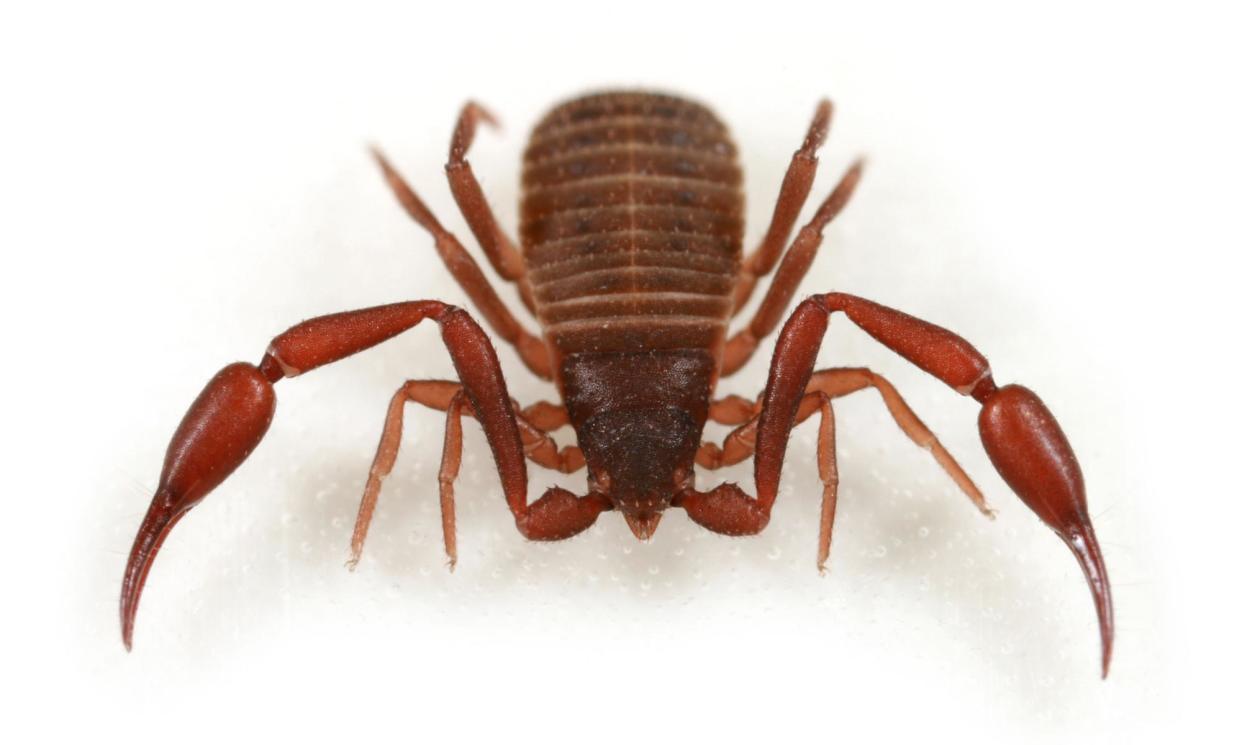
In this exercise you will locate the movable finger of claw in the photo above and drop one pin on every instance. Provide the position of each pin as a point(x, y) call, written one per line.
point(222, 427)
point(1034, 457)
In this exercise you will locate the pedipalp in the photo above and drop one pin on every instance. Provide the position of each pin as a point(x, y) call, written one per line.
point(1019, 433)
point(229, 418)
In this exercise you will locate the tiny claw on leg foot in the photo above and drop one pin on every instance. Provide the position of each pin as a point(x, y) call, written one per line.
point(355, 556)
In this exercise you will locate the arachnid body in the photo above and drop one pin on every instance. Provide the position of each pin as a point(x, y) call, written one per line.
point(631, 258)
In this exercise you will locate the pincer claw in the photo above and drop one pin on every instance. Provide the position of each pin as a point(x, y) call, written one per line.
point(222, 427)
point(1033, 455)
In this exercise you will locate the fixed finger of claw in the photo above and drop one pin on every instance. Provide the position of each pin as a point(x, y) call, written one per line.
point(1087, 550)
point(1032, 454)
point(160, 519)
point(222, 427)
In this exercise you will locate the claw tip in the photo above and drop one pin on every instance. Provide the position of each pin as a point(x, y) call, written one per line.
point(1087, 550)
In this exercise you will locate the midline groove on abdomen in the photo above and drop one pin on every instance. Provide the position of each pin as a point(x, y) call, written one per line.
point(654, 304)
point(670, 163)
point(629, 241)
point(628, 218)
point(636, 320)
point(621, 129)
point(623, 180)
point(633, 279)
point(577, 263)
point(627, 333)
point(611, 191)
point(626, 149)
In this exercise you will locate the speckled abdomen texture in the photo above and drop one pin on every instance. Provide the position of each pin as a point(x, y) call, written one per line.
point(631, 224)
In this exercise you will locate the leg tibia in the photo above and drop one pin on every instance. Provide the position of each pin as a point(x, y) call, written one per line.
point(449, 397)
point(468, 274)
point(797, 261)
point(381, 466)
point(442, 395)
point(503, 255)
point(826, 460)
point(842, 381)
point(450, 464)
point(794, 190)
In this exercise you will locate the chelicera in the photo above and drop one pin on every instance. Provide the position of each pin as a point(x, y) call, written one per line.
point(631, 258)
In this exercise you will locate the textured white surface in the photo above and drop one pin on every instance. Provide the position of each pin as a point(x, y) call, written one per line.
point(1049, 185)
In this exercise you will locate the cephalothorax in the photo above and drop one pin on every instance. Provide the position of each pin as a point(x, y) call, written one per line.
point(631, 258)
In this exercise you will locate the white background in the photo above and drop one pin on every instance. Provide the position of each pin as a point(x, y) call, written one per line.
point(1059, 183)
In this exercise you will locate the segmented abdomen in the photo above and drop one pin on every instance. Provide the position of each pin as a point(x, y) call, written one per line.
point(631, 223)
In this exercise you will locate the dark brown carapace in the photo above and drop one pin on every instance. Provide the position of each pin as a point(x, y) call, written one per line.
point(631, 259)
